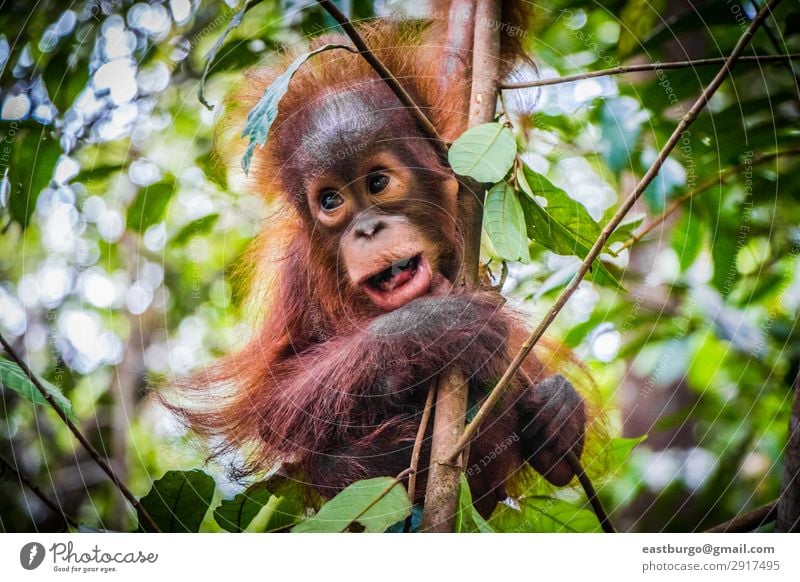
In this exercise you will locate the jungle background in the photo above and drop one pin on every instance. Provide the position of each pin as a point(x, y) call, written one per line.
point(121, 237)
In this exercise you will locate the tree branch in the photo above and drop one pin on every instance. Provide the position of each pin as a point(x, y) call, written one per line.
point(444, 478)
point(597, 248)
point(624, 70)
point(381, 69)
point(415, 452)
point(748, 521)
point(789, 501)
point(53, 505)
point(101, 462)
point(678, 202)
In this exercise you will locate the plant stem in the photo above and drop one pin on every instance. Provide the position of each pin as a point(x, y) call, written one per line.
point(415, 453)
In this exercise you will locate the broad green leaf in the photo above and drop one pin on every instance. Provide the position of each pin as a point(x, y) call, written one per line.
point(374, 503)
point(33, 161)
point(485, 153)
point(150, 204)
point(287, 506)
point(199, 227)
point(261, 117)
point(540, 514)
point(234, 21)
point(283, 512)
point(468, 519)
point(570, 214)
point(178, 501)
point(234, 515)
point(564, 227)
point(13, 378)
point(687, 239)
point(504, 222)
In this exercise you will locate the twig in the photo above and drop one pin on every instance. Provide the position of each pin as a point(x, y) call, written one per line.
point(381, 69)
point(594, 500)
point(748, 521)
point(101, 462)
point(415, 452)
point(678, 202)
point(623, 70)
point(54, 506)
point(597, 248)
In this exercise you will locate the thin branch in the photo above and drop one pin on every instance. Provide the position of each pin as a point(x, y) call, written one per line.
point(381, 69)
point(53, 505)
point(748, 521)
point(623, 70)
point(594, 500)
point(597, 248)
point(678, 202)
point(415, 452)
point(101, 462)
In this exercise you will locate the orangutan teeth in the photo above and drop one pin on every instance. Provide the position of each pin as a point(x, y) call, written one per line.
point(399, 273)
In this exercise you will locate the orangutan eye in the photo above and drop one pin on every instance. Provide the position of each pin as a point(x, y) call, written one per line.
point(377, 183)
point(330, 200)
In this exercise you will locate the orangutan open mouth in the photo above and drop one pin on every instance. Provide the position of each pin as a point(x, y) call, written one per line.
point(402, 281)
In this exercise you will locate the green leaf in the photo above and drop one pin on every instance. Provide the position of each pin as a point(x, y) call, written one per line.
point(199, 227)
point(283, 512)
point(468, 519)
point(541, 514)
point(485, 153)
point(564, 227)
point(375, 503)
point(31, 170)
point(261, 117)
point(178, 501)
point(13, 378)
point(687, 239)
point(234, 515)
point(234, 21)
point(570, 215)
point(504, 222)
point(150, 204)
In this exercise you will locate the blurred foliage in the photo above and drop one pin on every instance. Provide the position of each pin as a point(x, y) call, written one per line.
point(122, 234)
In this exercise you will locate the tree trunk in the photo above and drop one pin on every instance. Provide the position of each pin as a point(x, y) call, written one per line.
point(441, 495)
point(789, 502)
